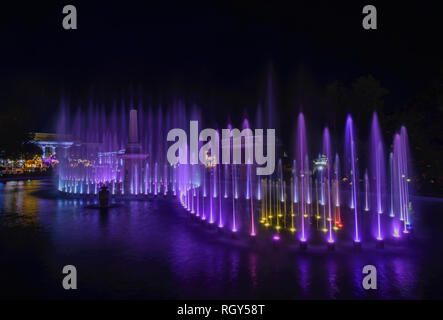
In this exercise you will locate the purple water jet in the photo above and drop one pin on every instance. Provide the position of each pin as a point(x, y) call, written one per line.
point(327, 152)
point(351, 170)
point(378, 172)
point(302, 172)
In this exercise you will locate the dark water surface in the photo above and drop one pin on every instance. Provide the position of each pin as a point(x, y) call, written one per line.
point(153, 250)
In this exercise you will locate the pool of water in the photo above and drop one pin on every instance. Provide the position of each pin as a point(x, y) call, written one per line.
point(154, 250)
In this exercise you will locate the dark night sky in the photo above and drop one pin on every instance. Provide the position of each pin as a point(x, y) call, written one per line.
point(217, 49)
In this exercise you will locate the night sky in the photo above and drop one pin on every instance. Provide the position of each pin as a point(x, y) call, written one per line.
point(217, 51)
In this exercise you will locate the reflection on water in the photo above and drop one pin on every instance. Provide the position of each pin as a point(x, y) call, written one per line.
point(14, 194)
point(150, 249)
point(331, 266)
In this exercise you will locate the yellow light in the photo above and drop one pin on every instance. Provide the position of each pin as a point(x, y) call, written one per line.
point(267, 224)
point(278, 227)
point(293, 229)
point(335, 228)
point(324, 230)
point(317, 217)
point(305, 215)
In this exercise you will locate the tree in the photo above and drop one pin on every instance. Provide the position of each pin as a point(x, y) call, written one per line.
point(15, 139)
point(423, 116)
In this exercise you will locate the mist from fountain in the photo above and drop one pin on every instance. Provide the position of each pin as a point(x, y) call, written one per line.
point(378, 172)
point(302, 173)
point(351, 170)
point(123, 149)
point(328, 153)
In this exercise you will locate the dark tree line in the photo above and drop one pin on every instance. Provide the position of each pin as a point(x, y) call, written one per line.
point(422, 116)
point(15, 138)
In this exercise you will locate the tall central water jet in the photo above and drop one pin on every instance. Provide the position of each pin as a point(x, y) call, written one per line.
point(303, 174)
point(327, 152)
point(133, 158)
point(351, 169)
point(401, 177)
point(378, 172)
point(338, 223)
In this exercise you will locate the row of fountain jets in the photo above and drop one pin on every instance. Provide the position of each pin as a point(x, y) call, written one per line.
point(310, 197)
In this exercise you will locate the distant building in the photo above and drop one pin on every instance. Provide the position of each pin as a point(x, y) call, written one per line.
point(49, 142)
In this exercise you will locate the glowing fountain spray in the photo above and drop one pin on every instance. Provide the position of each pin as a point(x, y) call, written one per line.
point(328, 153)
point(366, 179)
point(391, 184)
point(226, 180)
point(234, 218)
point(220, 218)
point(402, 179)
point(251, 201)
point(338, 222)
point(204, 196)
point(211, 196)
point(378, 174)
point(302, 171)
point(294, 195)
point(351, 168)
point(108, 134)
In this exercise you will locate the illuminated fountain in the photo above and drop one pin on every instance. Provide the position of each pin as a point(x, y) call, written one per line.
point(134, 161)
point(110, 149)
point(328, 153)
point(378, 174)
point(401, 181)
point(302, 201)
point(302, 174)
point(351, 170)
point(366, 181)
point(337, 179)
